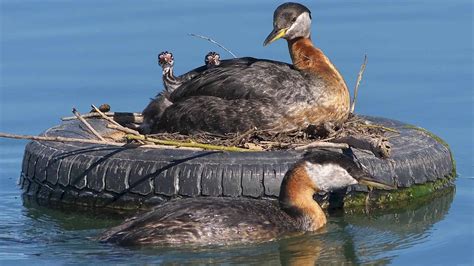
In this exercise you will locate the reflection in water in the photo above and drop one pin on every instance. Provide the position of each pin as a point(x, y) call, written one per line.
point(372, 238)
point(377, 236)
point(73, 219)
point(349, 238)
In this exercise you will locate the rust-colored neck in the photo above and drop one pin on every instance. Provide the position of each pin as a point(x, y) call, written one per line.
point(307, 57)
point(296, 199)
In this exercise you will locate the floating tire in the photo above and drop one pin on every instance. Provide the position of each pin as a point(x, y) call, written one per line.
point(93, 175)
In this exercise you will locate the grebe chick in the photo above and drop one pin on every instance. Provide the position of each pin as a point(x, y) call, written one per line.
point(219, 221)
point(166, 61)
point(245, 93)
point(170, 81)
point(212, 59)
point(158, 105)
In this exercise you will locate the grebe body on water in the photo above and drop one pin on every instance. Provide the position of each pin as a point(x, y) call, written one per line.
point(245, 93)
point(218, 221)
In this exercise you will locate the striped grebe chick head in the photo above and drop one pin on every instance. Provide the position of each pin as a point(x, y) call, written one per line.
point(166, 61)
point(212, 59)
point(290, 21)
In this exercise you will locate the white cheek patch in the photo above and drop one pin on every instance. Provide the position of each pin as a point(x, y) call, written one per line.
point(301, 27)
point(329, 177)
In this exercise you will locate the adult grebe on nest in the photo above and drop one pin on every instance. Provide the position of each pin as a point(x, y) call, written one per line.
point(218, 221)
point(246, 93)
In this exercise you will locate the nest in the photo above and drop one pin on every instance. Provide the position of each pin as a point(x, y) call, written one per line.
point(355, 131)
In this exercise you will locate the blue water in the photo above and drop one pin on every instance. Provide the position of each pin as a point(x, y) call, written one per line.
point(60, 54)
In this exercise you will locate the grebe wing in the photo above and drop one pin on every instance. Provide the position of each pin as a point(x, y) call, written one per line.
point(204, 221)
point(191, 74)
point(214, 114)
point(248, 78)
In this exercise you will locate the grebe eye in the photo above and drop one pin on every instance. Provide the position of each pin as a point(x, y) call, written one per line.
point(293, 19)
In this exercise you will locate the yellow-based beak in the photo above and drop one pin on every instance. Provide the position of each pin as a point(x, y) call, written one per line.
point(375, 184)
point(274, 35)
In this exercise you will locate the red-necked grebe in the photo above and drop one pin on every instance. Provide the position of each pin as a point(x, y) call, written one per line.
point(218, 221)
point(245, 93)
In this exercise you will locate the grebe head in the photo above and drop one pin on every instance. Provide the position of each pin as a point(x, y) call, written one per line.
point(331, 171)
point(320, 171)
point(325, 171)
point(290, 21)
point(212, 59)
point(166, 61)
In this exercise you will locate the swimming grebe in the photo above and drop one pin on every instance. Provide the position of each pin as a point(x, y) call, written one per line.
point(157, 106)
point(217, 220)
point(247, 93)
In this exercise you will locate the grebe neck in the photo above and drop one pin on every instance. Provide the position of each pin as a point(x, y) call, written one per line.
point(306, 57)
point(170, 81)
point(168, 73)
point(296, 199)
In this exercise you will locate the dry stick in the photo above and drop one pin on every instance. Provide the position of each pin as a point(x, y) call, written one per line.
point(104, 116)
point(359, 78)
point(91, 129)
point(382, 127)
point(187, 144)
point(123, 129)
point(91, 141)
point(157, 146)
point(235, 140)
point(321, 144)
point(58, 139)
point(115, 124)
point(376, 146)
point(90, 115)
point(214, 42)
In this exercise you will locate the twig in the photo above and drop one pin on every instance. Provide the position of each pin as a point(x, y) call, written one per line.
point(273, 142)
point(157, 146)
point(115, 124)
point(321, 144)
point(359, 78)
point(104, 116)
point(186, 144)
point(382, 127)
point(380, 147)
point(137, 116)
point(123, 129)
point(91, 141)
point(91, 129)
point(58, 139)
point(214, 42)
point(235, 140)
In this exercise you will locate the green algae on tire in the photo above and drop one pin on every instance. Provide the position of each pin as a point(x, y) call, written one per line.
point(354, 202)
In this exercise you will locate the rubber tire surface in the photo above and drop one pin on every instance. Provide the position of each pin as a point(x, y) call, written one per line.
point(129, 178)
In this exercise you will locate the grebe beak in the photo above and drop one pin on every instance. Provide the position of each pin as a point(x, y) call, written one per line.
point(375, 184)
point(274, 35)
